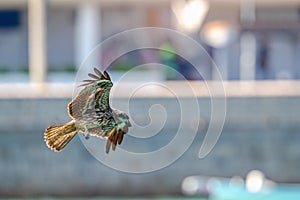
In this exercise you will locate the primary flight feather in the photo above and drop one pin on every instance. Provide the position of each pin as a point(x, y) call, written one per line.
point(92, 115)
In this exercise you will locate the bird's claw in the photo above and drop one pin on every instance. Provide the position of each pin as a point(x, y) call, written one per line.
point(86, 135)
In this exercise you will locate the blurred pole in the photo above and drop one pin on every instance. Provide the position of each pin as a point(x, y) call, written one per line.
point(218, 35)
point(37, 40)
point(87, 34)
point(220, 57)
point(247, 41)
point(248, 56)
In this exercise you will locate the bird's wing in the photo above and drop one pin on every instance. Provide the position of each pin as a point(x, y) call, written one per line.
point(93, 97)
point(101, 98)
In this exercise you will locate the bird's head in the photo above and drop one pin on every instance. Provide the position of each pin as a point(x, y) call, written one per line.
point(122, 119)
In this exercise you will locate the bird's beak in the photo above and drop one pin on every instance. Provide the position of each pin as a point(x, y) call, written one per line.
point(129, 124)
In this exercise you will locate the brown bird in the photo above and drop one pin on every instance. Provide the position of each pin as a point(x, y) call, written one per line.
point(92, 115)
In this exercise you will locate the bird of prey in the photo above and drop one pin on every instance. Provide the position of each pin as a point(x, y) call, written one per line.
point(92, 115)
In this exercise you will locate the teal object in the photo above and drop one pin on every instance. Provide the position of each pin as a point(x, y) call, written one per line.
point(224, 191)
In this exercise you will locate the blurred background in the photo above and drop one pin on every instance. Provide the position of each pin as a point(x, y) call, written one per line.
point(254, 43)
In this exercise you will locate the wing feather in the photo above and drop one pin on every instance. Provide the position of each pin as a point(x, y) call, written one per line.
point(93, 76)
point(106, 75)
point(98, 72)
point(78, 105)
point(94, 96)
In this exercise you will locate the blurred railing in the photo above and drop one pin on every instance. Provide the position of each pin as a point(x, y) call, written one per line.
point(200, 89)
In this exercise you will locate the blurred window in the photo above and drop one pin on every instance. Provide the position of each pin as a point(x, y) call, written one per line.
point(9, 18)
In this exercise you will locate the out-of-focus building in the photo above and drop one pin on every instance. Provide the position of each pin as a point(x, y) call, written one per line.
point(247, 39)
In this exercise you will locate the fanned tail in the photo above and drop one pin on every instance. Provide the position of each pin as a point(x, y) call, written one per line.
point(57, 137)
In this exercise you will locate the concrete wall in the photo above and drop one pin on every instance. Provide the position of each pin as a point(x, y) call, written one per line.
point(259, 133)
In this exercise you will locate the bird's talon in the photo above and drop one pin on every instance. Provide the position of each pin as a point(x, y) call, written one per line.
point(86, 135)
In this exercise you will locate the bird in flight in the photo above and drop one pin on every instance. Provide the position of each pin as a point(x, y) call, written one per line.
point(92, 115)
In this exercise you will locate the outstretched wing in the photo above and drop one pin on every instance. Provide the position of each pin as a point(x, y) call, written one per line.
point(92, 103)
point(94, 97)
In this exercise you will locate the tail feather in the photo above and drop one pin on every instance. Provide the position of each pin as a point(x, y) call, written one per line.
point(57, 137)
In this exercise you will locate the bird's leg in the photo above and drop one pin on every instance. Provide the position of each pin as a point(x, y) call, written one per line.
point(86, 134)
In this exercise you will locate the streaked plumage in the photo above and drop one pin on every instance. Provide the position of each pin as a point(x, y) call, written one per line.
point(92, 115)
